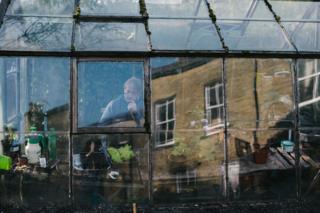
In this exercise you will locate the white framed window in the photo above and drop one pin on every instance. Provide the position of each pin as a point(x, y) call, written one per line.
point(213, 107)
point(165, 121)
point(186, 181)
point(309, 83)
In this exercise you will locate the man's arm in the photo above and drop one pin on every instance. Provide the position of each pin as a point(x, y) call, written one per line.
point(107, 113)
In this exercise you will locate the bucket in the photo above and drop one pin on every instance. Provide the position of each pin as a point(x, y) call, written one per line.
point(287, 146)
point(5, 162)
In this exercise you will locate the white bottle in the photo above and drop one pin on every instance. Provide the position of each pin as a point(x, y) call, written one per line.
point(33, 153)
point(33, 149)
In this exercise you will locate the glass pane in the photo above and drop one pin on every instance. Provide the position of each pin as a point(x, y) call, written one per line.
point(177, 8)
point(170, 110)
point(259, 93)
point(309, 103)
point(310, 163)
point(174, 34)
point(261, 164)
point(41, 7)
point(304, 35)
point(110, 169)
point(307, 68)
point(36, 93)
point(232, 9)
point(90, 36)
point(110, 7)
point(162, 113)
point(184, 81)
point(254, 35)
point(306, 89)
point(110, 93)
point(40, 173)
point(30, 33)
point(295, 9)
point(189, 170)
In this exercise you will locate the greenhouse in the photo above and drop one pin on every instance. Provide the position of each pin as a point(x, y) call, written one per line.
point(143, 102)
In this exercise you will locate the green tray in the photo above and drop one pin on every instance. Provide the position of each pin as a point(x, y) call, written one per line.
point(5, 162)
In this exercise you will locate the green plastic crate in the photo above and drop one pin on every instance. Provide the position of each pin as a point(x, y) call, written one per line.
point(5, 162)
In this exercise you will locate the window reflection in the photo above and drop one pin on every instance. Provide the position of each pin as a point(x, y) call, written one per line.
point(261, 164)
point(110, 94)
point(110, 168)
point(188, 155)
point(308, 82)
point(36, 93)
point(165, 121)
point(260, 93)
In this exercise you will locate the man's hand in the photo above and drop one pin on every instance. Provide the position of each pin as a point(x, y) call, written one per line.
point(132, 107)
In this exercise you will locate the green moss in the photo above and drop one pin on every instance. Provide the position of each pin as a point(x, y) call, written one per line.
point(77, 12)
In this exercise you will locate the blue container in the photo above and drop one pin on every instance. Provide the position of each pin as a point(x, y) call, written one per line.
point(287, 146)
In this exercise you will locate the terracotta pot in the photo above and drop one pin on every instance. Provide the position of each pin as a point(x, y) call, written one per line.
point(261, 155)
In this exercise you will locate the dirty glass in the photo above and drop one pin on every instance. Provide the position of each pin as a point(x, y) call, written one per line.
point(304, 35)
point(260, 93)
point(254, 35)
point(177, 8)
point(35, 92)
point(35, 33)
point(90, 36)
point(309, 92)
point(34, 184)
point(111, 94)
point(296, 9)
point(261, 164)
point(244, 9)
point(188, 141)
point(310, 163)
point(41, 7)
point(110, 7)
point(110, 169)
point(188, 34)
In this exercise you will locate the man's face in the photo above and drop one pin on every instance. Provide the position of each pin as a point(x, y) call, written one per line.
point(131, 93)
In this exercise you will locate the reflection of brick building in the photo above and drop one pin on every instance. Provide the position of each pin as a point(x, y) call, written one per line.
point(191, 157)
point(196, 150)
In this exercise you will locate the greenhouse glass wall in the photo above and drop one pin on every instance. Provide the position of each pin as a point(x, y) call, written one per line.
point(158, 101)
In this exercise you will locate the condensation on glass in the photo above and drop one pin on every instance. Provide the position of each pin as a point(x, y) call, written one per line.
point(187, 129)
point(36, 34)
point(91, 36)
point(110, 169)
point(111, 94)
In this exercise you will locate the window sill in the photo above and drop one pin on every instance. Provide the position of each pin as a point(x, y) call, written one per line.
point(212, 130)
point(170, 143)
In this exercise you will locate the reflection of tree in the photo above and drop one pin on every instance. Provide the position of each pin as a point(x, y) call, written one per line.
point(35, 32)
